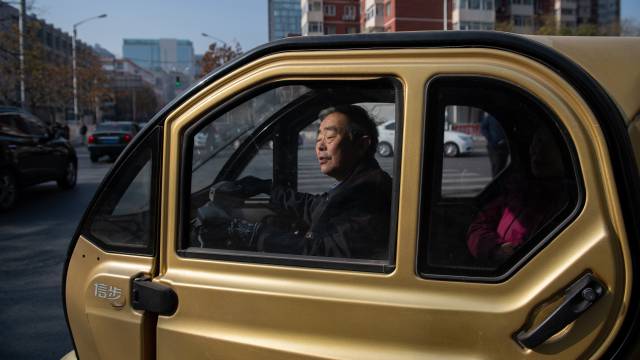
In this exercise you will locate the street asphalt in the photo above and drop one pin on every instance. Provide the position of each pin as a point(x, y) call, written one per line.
point(34, 238)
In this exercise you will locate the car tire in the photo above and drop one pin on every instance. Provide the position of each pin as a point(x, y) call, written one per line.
point(451, 149)
point(8, 190)
point(94, 157)
point(69, 177)
point(385, 149)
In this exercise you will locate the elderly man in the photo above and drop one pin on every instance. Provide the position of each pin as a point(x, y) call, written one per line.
point(351, 220)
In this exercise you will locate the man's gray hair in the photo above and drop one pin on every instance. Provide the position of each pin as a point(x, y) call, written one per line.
point(360, 124)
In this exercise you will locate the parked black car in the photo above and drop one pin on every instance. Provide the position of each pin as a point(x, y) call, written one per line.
point(110, 138)
point(32, 152)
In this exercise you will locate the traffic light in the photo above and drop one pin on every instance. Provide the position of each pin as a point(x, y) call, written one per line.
point(178, 83)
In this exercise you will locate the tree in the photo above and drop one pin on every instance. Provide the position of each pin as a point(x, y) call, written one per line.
point(142, 97)
point(218, 56)
point(48, 73)
point(629, 27)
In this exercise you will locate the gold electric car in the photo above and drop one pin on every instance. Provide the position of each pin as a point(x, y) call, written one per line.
point(526, 246)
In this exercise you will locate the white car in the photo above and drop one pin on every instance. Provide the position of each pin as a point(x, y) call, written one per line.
point(455, 143)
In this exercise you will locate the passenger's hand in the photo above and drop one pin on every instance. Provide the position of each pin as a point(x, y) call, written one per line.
point(504, 252)
point(252, 186)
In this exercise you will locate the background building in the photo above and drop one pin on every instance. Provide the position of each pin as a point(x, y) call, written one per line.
point(516, 15)
point(284, 18)
point(474, 14)
point(169, 55)
point(329, 17)
point(584, 17)
point(410, 15)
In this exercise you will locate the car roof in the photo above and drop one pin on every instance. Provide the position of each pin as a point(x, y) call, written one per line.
point(568, 58)
point(613, 61)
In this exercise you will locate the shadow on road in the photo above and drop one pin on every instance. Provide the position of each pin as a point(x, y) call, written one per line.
point(34, 238)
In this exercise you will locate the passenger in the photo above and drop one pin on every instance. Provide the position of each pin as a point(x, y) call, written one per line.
point(350, 220)
point(509, 221)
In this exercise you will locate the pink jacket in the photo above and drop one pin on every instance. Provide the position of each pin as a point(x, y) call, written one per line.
point(511, 218)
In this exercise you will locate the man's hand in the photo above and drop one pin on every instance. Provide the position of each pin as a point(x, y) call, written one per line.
point(252, 186)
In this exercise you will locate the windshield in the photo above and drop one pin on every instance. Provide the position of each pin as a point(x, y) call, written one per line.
point(115, 127)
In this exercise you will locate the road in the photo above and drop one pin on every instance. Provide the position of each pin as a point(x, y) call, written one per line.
point(34, 238)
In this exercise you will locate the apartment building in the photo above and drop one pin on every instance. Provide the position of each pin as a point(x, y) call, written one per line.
point(372, 15)
point(327, 17)
point(569, 14)
point(515, 15)
point(473, 15)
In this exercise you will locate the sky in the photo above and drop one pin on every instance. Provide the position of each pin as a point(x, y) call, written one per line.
point(244, 21)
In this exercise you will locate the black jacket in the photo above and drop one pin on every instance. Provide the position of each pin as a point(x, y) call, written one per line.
point(349, 221)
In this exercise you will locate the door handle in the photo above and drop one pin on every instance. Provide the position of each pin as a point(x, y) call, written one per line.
point(153, 297)
point(578, 298)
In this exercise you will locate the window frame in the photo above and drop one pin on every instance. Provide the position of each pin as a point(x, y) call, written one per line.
point(154, 141)
point(431, 177)
point(181, 249)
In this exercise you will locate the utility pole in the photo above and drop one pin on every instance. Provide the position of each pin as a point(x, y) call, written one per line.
point(133, 105)
point(445, 15)
point(21, 24)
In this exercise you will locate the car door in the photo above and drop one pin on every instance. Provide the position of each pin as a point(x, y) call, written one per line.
point(560, 287)
point(115, 244)
point(21, 151)
point(45, 160)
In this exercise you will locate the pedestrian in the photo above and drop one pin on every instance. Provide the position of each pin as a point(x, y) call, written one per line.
point(83, 133)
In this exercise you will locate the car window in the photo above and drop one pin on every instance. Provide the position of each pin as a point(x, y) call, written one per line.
point(31, 125)
point(9, 124)
point(509, 187)
point(258, 184)
point(216, 141)
point(474, 151)
point(122, 218)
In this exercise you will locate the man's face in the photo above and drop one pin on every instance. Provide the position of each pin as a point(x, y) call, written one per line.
point(336, 151)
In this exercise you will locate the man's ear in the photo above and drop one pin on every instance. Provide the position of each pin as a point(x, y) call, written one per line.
point(364, 142)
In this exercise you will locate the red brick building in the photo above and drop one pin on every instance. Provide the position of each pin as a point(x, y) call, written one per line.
point(403, 15)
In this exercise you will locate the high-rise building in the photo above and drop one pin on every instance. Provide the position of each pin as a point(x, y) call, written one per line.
point(284, 18)
point(329, 17)
point(170, 55)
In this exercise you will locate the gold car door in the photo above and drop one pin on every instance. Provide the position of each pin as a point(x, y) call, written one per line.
point(116, 244)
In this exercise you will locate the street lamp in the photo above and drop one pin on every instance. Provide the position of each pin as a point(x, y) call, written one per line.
point(215, 38)
point(73, 47)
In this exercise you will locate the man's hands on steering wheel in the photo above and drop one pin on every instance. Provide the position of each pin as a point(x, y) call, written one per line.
point(215, 227)
point(250, 186)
